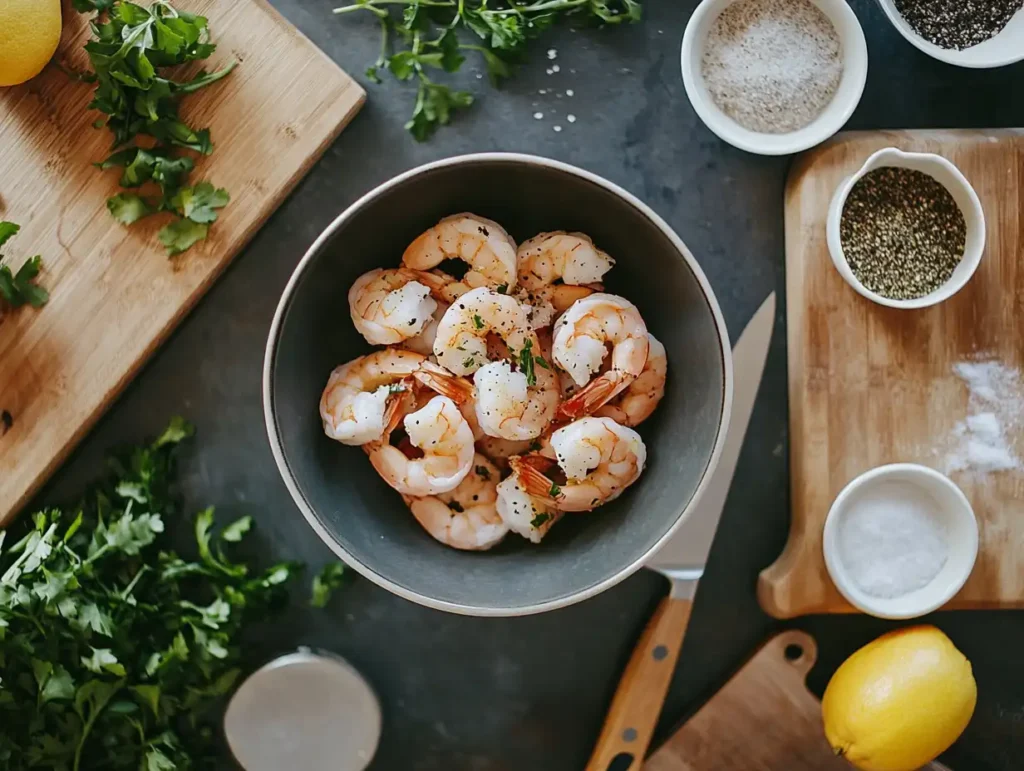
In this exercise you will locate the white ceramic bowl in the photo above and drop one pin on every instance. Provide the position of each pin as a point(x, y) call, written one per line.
point(950, 177)
point(1002, 49)
point(847, 96)
point(950, 507)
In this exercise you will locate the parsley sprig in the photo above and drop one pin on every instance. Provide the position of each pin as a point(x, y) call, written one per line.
point(500, 29)
point(528, 360)
point(18, 289)
point(131, 49)
point(115, 649)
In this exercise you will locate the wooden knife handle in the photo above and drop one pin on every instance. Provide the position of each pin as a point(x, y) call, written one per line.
point(634, 711)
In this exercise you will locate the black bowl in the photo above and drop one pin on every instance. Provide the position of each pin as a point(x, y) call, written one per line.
point(363, 520)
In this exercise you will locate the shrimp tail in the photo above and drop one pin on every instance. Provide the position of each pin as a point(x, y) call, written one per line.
point(440, 380)
point(532, 479)
point(594, 395)
point(399, 404)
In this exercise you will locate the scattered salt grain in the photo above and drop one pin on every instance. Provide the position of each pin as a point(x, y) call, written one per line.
point(571, 118)
point(538, 115)
point(995, 395)
point(891, 542)
point(555, 68)
point(479, 76)
point(552, 53)
point(550, 71)
point(557, 128)
point(542, 91)
point(570, 92)
point(773, 66)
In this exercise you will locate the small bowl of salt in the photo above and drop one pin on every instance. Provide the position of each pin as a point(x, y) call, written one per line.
point(900, 541)
point(774, 77)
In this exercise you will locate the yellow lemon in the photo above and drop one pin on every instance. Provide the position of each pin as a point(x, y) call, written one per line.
point(29, 33)
point(900, 701)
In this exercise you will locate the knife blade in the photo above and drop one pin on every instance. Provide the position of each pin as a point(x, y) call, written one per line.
point(633, 714)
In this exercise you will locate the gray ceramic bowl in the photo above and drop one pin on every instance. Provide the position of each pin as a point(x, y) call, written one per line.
point(363, 520)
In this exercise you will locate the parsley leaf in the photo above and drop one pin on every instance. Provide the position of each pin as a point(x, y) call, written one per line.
point(555, 490)
point(115, 651)
point(431, 31)
point(330, 578)
point(181, 235)
point(18, 289)
point(131, 51)
point(540, 519)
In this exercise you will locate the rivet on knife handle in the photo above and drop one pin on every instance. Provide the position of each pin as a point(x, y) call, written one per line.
point(634, 711)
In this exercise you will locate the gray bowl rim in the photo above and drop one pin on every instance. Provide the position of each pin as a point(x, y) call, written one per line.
point(368, 572)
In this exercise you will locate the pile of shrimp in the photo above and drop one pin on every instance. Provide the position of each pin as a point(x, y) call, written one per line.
point(506, 398)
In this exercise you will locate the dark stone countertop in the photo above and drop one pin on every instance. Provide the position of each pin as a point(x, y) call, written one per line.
point(530, 693)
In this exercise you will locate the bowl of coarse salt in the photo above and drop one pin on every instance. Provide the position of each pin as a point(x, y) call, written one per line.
point(900, 541)
point(965, 33)
point(774, 77)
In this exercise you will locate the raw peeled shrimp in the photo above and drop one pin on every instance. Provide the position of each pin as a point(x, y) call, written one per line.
point(363, 396)
point(390, 306)
point(444, 436)
point(523, 514)
point(461, 342)
point(634, 405)
point(482, 243)
point(581, 335)
point(600, 459)
point(466, 517)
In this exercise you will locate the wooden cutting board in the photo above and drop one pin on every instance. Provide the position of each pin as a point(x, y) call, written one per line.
point(870, 385)
point(763, 719)
point(115, 296)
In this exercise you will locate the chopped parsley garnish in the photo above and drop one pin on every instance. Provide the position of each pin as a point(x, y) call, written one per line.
point(477, 321)
point(555, 490)
point(132, 51)
point(17, 289)
point(468, 362)
point(540, 519)
point(535, 445)
point(483, 473)
point(502, 289)
point(526, 361)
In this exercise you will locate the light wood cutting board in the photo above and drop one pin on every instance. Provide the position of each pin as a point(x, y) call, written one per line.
point(870, 385)
point(763, 719)
point(114, 294)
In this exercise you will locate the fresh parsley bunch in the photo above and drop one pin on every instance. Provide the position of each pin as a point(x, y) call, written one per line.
point(17, 289)
point(131, 49)
point(429, 33)
point(115, 652)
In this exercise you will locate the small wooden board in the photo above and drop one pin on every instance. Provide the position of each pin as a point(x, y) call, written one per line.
point(763, 719)
point(870, 385)
point(115, 296)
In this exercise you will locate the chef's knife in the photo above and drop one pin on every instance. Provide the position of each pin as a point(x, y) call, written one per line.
point(634, 711)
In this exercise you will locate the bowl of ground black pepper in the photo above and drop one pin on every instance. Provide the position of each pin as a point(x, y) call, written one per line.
point(965, 33)
point(907, 230)
point(774, 77)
